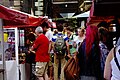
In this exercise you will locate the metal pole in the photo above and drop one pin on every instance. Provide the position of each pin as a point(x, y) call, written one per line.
point(2, 46)
point(16, 53)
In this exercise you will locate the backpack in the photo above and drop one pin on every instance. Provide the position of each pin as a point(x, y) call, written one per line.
point(60, 46)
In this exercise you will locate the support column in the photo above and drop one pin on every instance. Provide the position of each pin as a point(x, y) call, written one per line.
point(2, 50)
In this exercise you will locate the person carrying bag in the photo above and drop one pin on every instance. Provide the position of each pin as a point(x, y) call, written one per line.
point(72, 69)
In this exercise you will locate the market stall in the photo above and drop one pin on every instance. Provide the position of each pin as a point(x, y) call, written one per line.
point(13, 30)
point(111, 20)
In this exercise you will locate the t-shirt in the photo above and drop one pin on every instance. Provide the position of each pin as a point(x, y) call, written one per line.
point(59, 34)
point(49, 35)
point(77, 40)
point(41, 46)
point(72, 48)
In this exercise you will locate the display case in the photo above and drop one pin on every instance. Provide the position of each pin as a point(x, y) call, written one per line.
point(10, 51)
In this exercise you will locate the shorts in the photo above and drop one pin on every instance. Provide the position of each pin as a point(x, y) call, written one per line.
point(41, 68)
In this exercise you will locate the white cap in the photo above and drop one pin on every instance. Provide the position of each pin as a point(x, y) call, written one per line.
point(39, 29)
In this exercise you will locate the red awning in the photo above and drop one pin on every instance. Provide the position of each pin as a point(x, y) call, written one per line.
point(14, 18)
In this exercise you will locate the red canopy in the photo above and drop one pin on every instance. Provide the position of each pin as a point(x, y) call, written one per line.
point(14, 18)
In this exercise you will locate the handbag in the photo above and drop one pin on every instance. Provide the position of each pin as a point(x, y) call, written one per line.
point(72, 69)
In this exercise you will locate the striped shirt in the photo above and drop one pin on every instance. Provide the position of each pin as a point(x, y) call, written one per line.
point(59, 34)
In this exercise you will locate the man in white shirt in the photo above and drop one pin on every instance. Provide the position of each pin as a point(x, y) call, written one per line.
point(49, 35)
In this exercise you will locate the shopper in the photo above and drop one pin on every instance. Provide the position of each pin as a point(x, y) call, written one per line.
point(47, 30)
point(109, 42)
point(112, 65)
point(89, 55)
point(41, 46)
point(49, 35)
point(65, 29)
point(103, 37)
point(70, 41)
point(59, 59)
point(79, 39)
point(30, 58)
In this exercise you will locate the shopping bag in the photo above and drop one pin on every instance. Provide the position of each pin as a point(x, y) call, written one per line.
point(72, 69)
